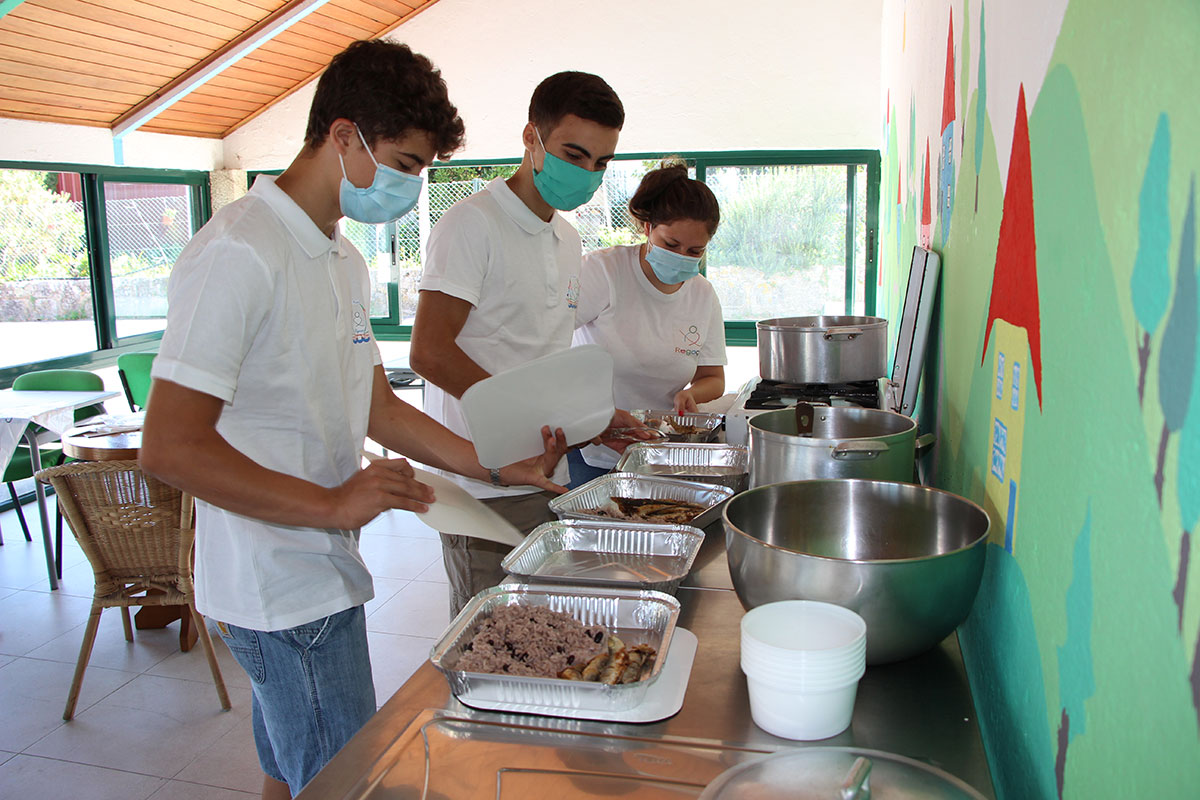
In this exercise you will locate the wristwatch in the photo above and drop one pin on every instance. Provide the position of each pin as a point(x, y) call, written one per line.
point(495, 475)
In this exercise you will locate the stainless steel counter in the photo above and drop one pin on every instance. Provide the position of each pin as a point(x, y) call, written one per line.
point(424, 743)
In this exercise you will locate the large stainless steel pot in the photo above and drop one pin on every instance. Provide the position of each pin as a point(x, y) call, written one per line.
point(822, 349)
point(846, 442)
point(908, 559)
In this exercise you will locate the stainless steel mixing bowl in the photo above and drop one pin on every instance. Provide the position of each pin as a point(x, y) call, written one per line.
point(908, 559)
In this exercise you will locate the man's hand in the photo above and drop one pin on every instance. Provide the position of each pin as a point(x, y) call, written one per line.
point(537, 471)
point(385, 483)
point(623, 430)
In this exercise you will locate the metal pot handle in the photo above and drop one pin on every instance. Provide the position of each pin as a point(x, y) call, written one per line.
point(859, 450)
point(848, 334)
point(856, 785)
point(925, 443)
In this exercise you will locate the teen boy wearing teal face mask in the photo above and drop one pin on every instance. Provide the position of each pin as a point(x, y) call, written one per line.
point(265, 388)
point(500, 286)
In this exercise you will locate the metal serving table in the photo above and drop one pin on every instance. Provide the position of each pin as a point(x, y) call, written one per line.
point(424, 743)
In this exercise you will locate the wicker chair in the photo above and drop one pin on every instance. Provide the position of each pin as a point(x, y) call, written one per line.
point(137, 532)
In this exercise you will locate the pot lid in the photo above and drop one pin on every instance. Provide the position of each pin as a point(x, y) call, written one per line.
point(836, 773)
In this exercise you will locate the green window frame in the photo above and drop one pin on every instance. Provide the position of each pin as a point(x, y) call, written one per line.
point(93, 178)
point(739, 332)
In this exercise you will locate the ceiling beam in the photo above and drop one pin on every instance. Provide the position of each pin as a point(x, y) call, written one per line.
point(8, 5)
point(265, 30)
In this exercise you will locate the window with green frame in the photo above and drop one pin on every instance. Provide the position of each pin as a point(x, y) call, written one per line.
point(797, 235)
point(85, 252)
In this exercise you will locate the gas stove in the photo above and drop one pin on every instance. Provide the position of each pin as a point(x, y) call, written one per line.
point(758, 396)
point(769, 395)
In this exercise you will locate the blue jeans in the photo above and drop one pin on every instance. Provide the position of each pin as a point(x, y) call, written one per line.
point(581, 471)
point(312, 691)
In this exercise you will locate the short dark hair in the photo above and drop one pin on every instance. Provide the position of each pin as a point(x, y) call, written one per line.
point(580, 93)
point(667, 194)
point(387, 90)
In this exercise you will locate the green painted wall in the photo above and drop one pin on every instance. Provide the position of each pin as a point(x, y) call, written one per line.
point(1063, 160)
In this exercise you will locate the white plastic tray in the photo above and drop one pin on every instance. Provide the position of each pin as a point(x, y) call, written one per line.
point(571, 389)
point(663, 699)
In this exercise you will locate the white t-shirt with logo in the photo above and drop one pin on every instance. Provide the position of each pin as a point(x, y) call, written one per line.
point(656, 340)
point(271, 316)
point(521, 275)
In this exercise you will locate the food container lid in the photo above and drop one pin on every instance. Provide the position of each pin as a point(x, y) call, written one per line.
point(841, 772)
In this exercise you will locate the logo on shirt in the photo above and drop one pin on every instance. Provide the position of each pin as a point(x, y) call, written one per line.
point(573, 292)
point(690, 342)
point(360, 333)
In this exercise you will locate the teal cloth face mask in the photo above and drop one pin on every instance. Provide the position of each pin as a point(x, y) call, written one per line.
point(562, 184)
point(391, 195)
point(669, 266)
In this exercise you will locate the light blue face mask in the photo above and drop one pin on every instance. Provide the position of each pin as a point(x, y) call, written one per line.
point(671, 267)
point(391, 195)
point(562, 184)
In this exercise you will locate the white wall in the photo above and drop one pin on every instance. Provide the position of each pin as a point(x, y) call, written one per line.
point(693, 74)
point(25, 140)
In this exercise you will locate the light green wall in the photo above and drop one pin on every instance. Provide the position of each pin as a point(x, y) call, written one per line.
point(1082, 646)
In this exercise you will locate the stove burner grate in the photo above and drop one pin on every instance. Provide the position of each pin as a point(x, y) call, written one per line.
point(772, 394)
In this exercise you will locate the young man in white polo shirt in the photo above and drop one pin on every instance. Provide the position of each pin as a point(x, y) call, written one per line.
point(265, 386)
point(500, 285)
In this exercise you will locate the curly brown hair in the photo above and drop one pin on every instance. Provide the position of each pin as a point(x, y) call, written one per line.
point(667, 194)
point(387, 90)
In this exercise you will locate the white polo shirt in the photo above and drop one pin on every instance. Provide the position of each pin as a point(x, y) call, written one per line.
point(521, 275)
point(271, 316)
point(656, 340)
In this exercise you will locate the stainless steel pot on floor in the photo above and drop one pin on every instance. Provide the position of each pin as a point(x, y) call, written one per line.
point(908, 559)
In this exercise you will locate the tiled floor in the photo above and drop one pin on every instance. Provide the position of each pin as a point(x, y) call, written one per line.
point(148, 723)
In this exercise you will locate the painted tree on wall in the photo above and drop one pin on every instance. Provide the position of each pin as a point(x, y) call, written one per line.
point(1015, 281)
point(980, 101)
point(946, 156)
point(1178, 360)
point(1150, 284)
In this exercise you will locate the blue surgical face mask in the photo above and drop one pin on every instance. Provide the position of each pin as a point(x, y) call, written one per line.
point(563, 185)
point(391, 195)
point(671, 267)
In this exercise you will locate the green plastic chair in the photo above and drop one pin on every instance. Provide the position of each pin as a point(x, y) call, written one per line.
point(50, 380)
point(134, 369)
point(63, 380)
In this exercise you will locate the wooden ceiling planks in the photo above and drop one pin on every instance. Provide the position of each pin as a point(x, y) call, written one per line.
point(89, 62)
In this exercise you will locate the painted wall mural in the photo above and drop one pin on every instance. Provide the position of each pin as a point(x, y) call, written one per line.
point(1065, 386)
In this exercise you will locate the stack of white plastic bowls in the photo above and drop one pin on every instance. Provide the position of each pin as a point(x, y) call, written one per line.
point(802, 661)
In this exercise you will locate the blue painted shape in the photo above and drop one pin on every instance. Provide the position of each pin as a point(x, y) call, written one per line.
point(1016, 385)
point(1150, 284)
point(1000, 645)
point(946, 181)
point(1010, 522)
point(999, 375)
point(1177, 360)
point(1076, 681)
point(1188, 482)
point(118, 151)
point(981, 92)
point(999, 448)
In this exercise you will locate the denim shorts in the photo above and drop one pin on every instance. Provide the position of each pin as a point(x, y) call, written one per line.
point(312, 691)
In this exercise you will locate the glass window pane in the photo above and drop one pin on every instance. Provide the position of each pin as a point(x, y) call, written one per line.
point(372, 242)
point(781, 246)
point(148, 225)
point(860, 239)
point(45, 286)
point(604, 221)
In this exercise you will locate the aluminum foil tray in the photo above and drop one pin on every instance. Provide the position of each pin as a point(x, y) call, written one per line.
point(706, 425)
point(585, 552)
point(635, 616)
point(577, 503)
point(724, 464)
